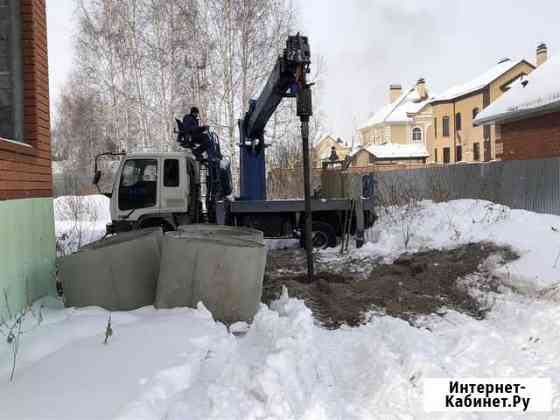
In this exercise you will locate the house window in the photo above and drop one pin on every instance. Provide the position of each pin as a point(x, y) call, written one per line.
point(445, 126)
point(417, 135)
point(446, 155)
point(476, 151)
point(458, 153)
point(458, 121)
point(487, 133)
point(11, 71)
point(435, 127)
point(171, 173)
point(485, 98)
point(435, 155)
point(475, 112)
point(371, 159)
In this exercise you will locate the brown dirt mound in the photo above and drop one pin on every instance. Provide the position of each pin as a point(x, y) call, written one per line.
point(415, 284)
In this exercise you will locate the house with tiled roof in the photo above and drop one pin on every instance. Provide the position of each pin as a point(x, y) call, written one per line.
point(527, 116)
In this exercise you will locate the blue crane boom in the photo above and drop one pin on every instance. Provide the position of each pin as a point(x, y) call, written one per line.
point(287, 80)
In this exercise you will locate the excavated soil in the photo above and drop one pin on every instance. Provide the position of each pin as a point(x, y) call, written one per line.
point(424, 283)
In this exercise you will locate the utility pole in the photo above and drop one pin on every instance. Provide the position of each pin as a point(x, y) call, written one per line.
point(304, 112)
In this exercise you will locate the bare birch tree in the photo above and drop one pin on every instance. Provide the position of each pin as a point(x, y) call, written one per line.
point(140, 63)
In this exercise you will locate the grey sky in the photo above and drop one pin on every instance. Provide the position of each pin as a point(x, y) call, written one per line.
point(60, 28)
point(368, 44)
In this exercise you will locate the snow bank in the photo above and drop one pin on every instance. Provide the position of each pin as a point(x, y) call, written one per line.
point(178, 364)
point(535, 237)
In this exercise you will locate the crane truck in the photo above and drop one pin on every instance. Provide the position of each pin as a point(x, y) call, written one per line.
point(169, 189)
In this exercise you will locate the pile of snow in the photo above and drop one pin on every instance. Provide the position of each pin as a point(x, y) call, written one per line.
point(178, 364)
point(428, 225)
point(80, 220)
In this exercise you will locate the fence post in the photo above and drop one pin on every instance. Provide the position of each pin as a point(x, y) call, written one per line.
point(356, 194)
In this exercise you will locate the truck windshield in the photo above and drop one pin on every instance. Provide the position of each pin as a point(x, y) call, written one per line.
point(138, 184)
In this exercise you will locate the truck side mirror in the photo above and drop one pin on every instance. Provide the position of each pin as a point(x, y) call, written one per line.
point(96, 177)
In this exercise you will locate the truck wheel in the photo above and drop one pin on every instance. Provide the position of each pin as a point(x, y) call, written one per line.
point(323, 235)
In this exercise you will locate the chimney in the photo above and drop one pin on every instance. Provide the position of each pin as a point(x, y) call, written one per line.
point(421, 89)
point(394, 92)
point(542, 54)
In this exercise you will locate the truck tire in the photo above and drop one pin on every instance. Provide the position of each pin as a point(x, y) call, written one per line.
point(324, 235)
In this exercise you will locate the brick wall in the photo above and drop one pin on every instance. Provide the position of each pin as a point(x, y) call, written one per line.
point(25, 168)
point(533, 138)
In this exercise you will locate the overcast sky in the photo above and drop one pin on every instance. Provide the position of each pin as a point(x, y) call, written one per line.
point(369, 44)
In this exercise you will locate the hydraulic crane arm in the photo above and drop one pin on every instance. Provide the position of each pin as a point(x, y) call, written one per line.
point(288, 79)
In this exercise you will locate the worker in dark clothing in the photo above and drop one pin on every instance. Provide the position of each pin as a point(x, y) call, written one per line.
point(334, 156)
point(191, 123)
point(194, 132)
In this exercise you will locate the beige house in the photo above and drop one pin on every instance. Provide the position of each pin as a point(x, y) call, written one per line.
point(452, 136)
point(395, 125)
point(394, 122)
point(323, 148)
point(444, 123)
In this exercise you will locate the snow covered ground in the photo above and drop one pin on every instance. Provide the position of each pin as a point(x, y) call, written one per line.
point(180, 364)
point(426, 225)
point(80, 220)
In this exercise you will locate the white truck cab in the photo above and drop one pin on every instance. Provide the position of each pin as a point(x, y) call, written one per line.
point(155, 189)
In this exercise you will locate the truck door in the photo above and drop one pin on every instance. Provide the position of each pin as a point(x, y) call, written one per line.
point(174, 186)
point(137, 191)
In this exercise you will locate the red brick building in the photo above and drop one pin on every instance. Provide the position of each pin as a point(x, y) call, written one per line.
point(527, 117)
point(25, 142)
point(534, 137)
point(27, 239)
